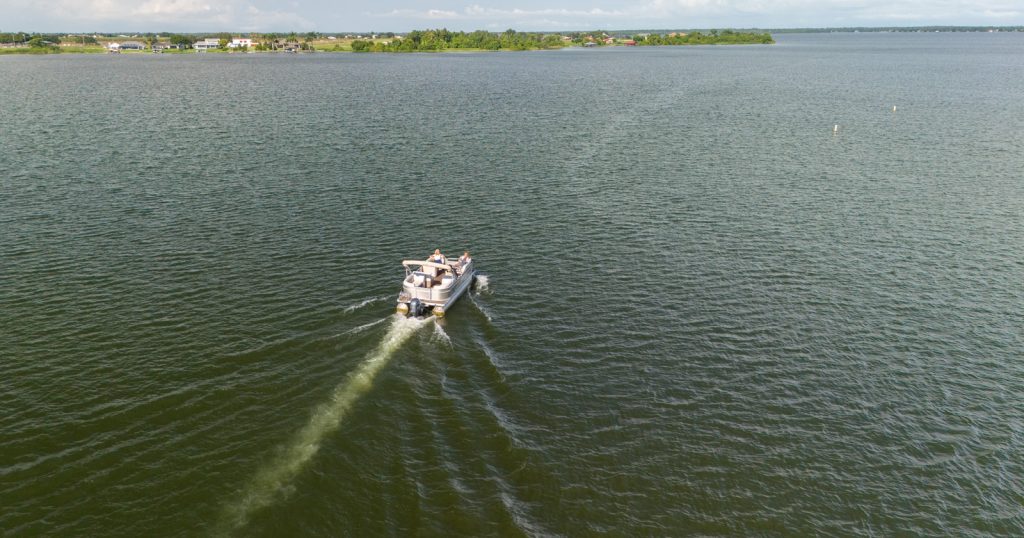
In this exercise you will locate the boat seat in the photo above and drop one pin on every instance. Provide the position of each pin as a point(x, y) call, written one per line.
point(422, 280)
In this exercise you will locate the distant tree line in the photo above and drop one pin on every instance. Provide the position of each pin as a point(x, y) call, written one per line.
point(15, 37)
point(897, 29)
point(713, 37)
point(30, 39)
point(442, 39)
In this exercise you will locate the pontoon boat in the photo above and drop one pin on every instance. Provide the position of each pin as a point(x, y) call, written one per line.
point(433, 287)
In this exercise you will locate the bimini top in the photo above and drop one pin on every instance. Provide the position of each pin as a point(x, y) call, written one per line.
point(421, 263)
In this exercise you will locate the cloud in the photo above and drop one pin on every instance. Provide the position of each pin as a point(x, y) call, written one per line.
point(480, 12)
point(1002, 13)
point(172, 8)
point(951, 11)
point(704, 7)
point(160, 10)
point(695, 13)
point(475, 15)
point(476, 12)
point(200, 15)
point(554, 16)
point(441, 14)
point(398, 15)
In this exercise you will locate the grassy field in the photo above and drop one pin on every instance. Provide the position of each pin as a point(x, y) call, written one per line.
point(28, 50)
point(341, 44)
point(88, 49)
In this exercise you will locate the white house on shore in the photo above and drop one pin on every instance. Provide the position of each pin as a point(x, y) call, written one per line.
point(126, 45)
point(206, 44)
point(239, 43)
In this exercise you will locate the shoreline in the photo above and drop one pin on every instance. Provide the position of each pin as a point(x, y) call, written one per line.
point(436, 40)
point(27, 51)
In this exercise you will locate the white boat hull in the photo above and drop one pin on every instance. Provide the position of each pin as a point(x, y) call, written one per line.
point(434, 290)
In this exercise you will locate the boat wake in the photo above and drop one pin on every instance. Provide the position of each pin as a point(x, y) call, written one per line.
point(273, 481)
point(441, 336)
point(484, 311)
point(353, 308)
point(482, 283)
point(363, 327)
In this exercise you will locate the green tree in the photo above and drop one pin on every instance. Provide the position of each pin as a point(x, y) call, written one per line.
point(40, 41)
point(442, 38)
point(12, 37)
point(182, 40)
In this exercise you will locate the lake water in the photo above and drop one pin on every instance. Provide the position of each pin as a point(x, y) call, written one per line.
point(704, 311)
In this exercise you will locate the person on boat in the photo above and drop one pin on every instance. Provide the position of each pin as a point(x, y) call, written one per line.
point(460, 265)
point(437, 257)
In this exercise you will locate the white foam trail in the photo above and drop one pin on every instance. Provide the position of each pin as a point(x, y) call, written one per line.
point(482, 283)
point(355, 307)
point(441, 335)
point(481, 308)
point(273, 480)
point(363, 327)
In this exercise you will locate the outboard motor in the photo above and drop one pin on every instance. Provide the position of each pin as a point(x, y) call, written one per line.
point(415, 308)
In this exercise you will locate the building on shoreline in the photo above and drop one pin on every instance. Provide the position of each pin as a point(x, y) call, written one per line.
point(206, 44)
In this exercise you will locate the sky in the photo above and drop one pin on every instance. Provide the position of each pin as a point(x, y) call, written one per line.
point(539, 15)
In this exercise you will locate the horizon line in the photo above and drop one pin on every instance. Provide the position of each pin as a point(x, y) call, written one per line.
point(668, 29)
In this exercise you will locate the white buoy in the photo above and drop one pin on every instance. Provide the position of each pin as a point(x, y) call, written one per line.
point(894, 108)
point(835, 129)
